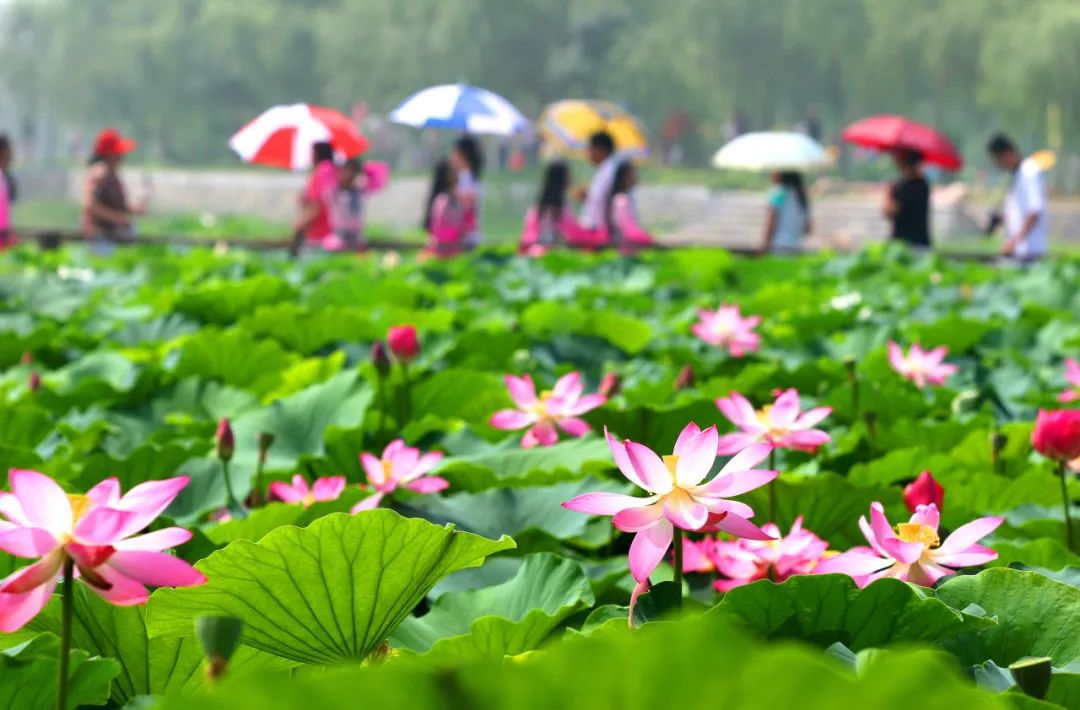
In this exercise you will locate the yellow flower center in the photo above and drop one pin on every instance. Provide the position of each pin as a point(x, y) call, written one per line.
point(539, 408)
point(80, 506)
point(915, 532)
point(388, 470)
point(671, 461)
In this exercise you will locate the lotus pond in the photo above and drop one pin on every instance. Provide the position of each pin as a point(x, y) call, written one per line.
point(682, 479)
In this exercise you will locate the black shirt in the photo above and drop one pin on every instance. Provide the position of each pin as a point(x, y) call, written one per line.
point(911, 223)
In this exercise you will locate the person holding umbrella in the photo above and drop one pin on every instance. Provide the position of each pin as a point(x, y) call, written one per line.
point(467, 161)
point(1025, 216)
point(317, 203)
point(907, 204)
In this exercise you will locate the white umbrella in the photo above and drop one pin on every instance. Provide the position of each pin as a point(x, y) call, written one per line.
point(461, 108)
point(771, 151)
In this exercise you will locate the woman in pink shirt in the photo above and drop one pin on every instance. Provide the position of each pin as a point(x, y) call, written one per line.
point(551, 222)
point(7, 193)
point(315, 223)
point(444, 218)
point(624, 229)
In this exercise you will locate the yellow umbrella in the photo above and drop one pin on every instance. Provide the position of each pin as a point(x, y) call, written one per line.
point(566, 126)
point(1045, 159)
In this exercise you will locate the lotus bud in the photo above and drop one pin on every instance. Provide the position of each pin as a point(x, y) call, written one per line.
point(1057, 434)
point(403, 342)
point(924, 490)
point(224, 440)
point(266, 440)
point(379, 358)
point(610, 385)
point(219, 637)
point(34, 382)
point(685, 378)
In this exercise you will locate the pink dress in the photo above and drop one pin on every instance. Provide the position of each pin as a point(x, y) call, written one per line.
point(321, 190)
point(446, 227)
point(538, 234)
point(624, 218)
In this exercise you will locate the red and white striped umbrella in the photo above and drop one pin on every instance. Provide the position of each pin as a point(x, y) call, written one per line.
point(283, 135)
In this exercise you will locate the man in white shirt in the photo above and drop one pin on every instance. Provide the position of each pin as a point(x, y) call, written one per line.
point(1025, 218)
point(601, 154)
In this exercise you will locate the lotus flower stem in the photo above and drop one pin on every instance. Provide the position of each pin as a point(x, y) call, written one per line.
point(230, 497)
point(1064, 470)
point(677, 545)
point(772, 487)
point(67, 608)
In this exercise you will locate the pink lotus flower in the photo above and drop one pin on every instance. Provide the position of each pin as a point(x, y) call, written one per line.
point(913, 552)
point(745, 561)
point(922, 367)
point(1072, 374)
point(96, 531)
point(560, 406)
point(677, 495)
point(726, 328)
point(400, 466)
point(697, 555)
point(1057, 434)
point(781, 425)
point(324, 489)
point(924, 490)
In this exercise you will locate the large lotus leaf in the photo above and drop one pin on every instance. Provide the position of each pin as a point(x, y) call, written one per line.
point(299, 420)
point(523, 512)
point(829, 608)
point(663, 665)
point(306, 330)
point(829, 505)
point(197, 398)
point(567, 460)
point(97, 376)
point(326, 593)
point(459, 394)
point(1037, 616)
point(1043, 552)
point(506, 619)
point(147, 666)
point(624, 331)
point(28, 675)
point(223, 302)
point(24, 426)
point(969, 494)
point(234, 357)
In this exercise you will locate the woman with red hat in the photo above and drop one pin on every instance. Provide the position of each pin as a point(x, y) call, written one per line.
point(106, 212)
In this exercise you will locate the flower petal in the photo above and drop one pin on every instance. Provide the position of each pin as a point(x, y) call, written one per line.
point(687, 435)
point(968, 534)
point(586, 404)
point(735, 483)
point(155, 541)
point(285, 492)
point(27, 542)
point(684, 512)
point(568, 387)
point(741, 527)
point(41, 572)
point(103, 526)
point(785, 409)
point(121, 591)
point(106, 492)
point(156, 569)
point(16, 610)
point(639, 517)
point(622, 461)
point(574, 427)
point(328, 488)
point(648, 549)
point(696, 457)
point(369, 503)
point(511, 419)
point(43, 502)
point(740, 412)
point(653, 471)
point(373, 468)
point(730, 444)
point(522, 390)
point(428, 484)
point(853, 563)
point(600, 503)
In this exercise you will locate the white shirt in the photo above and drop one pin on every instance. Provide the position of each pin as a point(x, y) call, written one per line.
point(1026, 196)
point(594, 211)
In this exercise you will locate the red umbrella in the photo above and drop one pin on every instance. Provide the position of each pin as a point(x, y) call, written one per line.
point(283, 135)
point(897, 132)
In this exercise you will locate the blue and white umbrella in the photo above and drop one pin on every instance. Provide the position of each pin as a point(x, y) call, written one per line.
point(461, 108)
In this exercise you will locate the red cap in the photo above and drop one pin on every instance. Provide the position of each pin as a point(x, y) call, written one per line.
point(110, 142)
